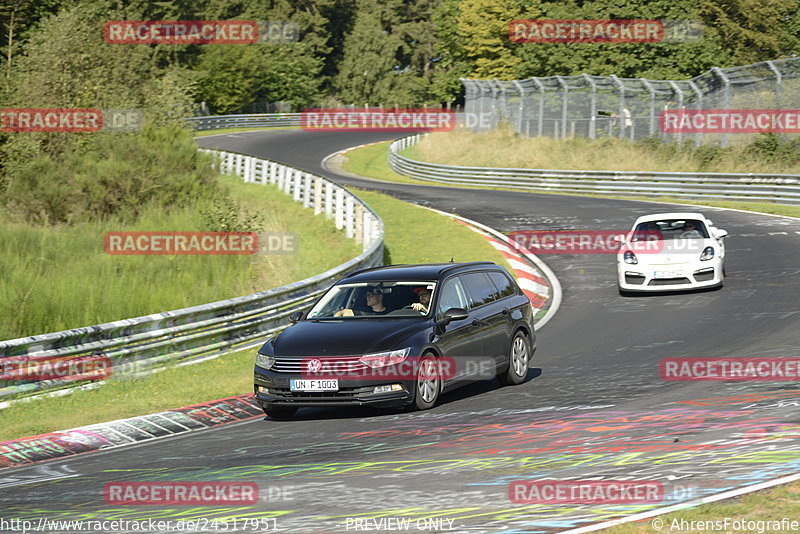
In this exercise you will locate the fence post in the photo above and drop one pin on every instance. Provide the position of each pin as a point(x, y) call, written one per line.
point(349, 221)
point(307, 190)
point(652, 90)
point(359, 226)
point(593, 108)
point(621, 88)
point(317, 197)
point(540, 85)
point(778, 83)
point(339, 214)
point(521, 107)
point(676, 89)
point(698, 137)
point(564, 105)
point(329, 202)
point(726, 99)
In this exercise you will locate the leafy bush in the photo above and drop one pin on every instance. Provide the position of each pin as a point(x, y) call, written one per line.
point(112, 174)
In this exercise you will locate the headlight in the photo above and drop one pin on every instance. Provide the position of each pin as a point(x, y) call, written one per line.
point(630, 257)
point(708, 254)
point(264, 361)
point(382, 359)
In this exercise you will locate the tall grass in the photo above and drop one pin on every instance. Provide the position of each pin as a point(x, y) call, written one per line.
point(59, 277)
point(504, 148)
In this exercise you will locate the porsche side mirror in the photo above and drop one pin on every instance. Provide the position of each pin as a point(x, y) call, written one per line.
point(296, 316)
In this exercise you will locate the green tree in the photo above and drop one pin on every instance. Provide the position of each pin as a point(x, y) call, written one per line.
point(369, 72)
point(482, 26)
point(233, 76)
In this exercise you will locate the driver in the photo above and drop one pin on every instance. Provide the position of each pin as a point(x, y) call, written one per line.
point(424, 295)
point(374, 306)
point(689, 231)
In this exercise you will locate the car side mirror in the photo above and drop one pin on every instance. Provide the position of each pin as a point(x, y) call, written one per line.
point(455, 314)
point(296, 316)
point(720, 233)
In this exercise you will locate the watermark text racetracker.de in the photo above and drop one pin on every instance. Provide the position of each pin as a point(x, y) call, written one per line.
point(770, 369)
point(85, 120)
point(72, 368)
point(184, 32)
point(202, 524)
point(378, 120)
point(199, 243)
point(585, 491)
point(587, 241)
point(598, 31)
point(730, 121)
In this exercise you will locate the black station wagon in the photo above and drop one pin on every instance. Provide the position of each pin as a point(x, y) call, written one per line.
point(399, 336)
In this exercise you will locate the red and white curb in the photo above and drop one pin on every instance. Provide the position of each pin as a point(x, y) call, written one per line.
point(534, 277)
point(529, 278)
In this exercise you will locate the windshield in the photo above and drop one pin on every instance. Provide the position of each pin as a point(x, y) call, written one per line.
point(669, 229)
point(369, 300)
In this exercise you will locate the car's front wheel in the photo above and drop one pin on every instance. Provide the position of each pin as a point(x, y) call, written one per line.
point(518, 359)
point(428, 383)
point(279, 412)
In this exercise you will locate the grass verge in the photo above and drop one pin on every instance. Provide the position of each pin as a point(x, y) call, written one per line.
point(436, 238)
point(503, 148)
point(59, 277)
point(767, 506)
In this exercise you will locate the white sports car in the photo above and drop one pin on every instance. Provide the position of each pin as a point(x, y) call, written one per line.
point(670, 252)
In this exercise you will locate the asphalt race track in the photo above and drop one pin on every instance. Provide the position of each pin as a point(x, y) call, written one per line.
point(593, 406)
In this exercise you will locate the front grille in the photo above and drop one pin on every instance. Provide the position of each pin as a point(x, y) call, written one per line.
point(668, 281)
point(338, 364)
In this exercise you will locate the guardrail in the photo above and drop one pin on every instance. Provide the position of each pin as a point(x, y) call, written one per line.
point(779, 188)
point(257, 120)
point(262, 120)
point(140, 344)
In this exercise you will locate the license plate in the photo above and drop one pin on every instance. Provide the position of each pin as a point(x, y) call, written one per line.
point(314, 385)
point(667, 274)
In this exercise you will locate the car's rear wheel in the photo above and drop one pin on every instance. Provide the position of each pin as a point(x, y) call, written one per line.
point(279, 412)
point(428, 383)
point(518, 359)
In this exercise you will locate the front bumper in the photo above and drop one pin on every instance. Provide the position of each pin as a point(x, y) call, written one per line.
point(635, 278)
point(274, 389)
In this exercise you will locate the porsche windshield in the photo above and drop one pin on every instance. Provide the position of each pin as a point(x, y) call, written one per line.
point(669, 229)
point(375, 300)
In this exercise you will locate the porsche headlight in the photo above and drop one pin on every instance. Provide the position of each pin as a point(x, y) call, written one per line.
point(630, 257)
point(708, 254)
